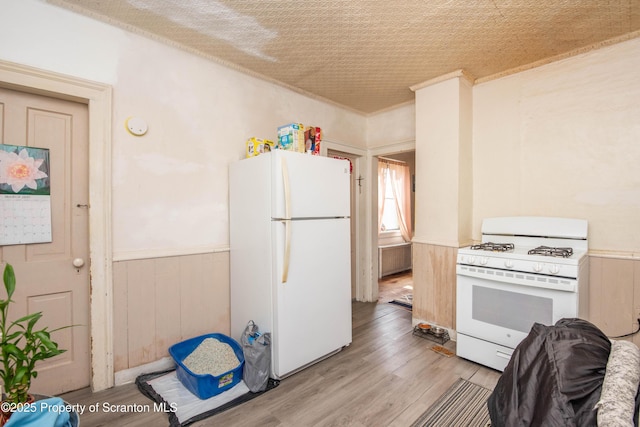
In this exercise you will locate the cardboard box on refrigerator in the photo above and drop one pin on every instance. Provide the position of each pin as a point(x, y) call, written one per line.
point(291, 137)
point(256, 146)
point(312, 138)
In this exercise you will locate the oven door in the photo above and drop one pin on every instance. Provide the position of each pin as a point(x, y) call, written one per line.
point(503, 313)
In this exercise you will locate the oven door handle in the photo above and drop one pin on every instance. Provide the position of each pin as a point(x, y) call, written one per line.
point(512, 278)
point(503, 355)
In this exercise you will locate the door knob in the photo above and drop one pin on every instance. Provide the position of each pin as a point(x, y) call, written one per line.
point(78, 262)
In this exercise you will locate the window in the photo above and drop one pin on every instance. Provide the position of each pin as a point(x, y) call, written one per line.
point(394, 200)
point(390, 213)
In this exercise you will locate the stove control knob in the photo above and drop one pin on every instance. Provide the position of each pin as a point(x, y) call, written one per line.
point(472, 260)
point(537, 267)
point(508, 263)
point(554, 269)
point(484, 261)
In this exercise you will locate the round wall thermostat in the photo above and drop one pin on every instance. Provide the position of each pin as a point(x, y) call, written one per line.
point(136, 126)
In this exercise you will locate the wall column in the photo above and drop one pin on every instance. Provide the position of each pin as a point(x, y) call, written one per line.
point(443, 193)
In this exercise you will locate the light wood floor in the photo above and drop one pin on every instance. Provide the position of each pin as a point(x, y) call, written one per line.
point(396, 286)
point(386, 377)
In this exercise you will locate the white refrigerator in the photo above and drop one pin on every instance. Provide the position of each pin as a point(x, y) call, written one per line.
point(290, 254)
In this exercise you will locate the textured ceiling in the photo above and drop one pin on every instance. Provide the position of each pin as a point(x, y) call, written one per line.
point(366, 54)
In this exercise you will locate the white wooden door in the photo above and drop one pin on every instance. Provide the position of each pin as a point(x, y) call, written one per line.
point(46, 279)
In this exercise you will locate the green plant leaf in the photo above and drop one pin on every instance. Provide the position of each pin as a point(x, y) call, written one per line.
point(46, 341)
point(12, 336)
point(33, 321)
point(13, 350)
point(9, 278)
point(20, 375)
point(31, 318)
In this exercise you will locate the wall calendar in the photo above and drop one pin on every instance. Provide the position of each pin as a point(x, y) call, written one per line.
point(25, 195)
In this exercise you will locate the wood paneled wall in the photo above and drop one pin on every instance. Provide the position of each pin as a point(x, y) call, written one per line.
point(159, 302)
point(434, 284)
point(614, 300)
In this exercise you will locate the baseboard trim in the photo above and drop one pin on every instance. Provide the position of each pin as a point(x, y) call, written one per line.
point(128, 376)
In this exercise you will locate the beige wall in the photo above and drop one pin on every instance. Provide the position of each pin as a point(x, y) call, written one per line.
point(391, 127)
point(170, 185)
point(443, 159)
point(169, 219)
point(557, 140)
point(562, 140)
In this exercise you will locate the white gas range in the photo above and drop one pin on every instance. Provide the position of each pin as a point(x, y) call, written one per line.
point(525, 270)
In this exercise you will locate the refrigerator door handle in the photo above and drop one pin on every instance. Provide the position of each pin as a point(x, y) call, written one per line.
point(286, 222)
point(286, 189)
point(287, 250)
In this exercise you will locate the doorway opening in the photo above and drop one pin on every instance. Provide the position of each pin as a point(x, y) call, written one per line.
point(396, 207)
point(352, 158)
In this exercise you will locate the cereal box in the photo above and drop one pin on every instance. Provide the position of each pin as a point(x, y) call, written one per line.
point(256, 146)
point(312, 137)
point(291, 137)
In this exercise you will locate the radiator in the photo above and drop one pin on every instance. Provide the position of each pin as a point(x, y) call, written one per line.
point(394, 259)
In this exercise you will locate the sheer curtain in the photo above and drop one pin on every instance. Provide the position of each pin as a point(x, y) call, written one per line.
point(382, 167)
point(401, 188)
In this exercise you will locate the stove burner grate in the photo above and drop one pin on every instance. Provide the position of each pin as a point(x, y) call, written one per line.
point(496, 247)
point(555, 252)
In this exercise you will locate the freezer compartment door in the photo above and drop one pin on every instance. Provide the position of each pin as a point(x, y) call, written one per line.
point(306, 186)
point(312, 309)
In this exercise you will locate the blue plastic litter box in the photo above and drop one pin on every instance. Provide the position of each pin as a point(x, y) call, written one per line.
point(206, 386)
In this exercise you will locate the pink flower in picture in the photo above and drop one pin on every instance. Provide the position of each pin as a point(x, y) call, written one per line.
point(20, 170)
